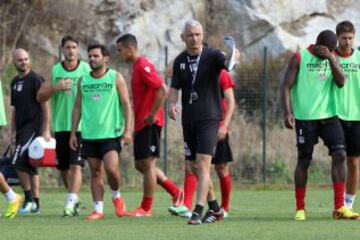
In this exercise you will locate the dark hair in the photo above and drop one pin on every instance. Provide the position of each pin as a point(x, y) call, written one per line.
point(68, 38)
point(327, 38)
point(128, 40)
point(104, 51)
point(345, 27)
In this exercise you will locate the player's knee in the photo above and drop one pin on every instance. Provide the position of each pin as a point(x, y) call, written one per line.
point(338, 156)
point(139, 166)
point(304, 161)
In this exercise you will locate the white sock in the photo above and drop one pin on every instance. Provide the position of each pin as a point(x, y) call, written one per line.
point(349, 200)
point(72, 198)
point(116, 194)
point(99, 206)
point(10, 196)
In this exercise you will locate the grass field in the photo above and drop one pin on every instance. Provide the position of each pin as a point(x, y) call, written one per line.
point(255, 214)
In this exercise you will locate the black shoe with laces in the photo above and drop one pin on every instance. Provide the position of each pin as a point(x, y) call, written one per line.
point(212, 216)
point(195, 219)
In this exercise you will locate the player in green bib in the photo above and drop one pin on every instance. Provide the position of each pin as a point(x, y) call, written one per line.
point(14, 200)
point(62, 89)
point(308, 97)
point(103, 105)
point(348, 107)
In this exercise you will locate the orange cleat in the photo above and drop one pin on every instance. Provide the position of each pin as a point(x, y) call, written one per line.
point(119, 205)
point(95, 216)
point(139, 212)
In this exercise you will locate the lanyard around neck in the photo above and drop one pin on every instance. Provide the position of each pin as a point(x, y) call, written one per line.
point(193, 70)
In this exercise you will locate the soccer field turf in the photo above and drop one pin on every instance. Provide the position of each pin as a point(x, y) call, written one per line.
point(254, 214)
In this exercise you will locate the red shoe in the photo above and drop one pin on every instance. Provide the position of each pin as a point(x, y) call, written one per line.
point(139, 212)
point(119, 205)
point(179, 199)
point(95, 216)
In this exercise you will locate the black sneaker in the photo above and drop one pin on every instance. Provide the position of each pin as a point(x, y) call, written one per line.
point(212, 216)
point(195, 219)
point(77, 209)
point(35, 208)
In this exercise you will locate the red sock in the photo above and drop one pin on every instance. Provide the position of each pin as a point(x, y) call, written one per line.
point(146, 203)
point(225, 186)
point(339, 189)
point(170, 187)
point(190, 184)
point(300, 198)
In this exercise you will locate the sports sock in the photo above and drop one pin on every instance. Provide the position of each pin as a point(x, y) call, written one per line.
point(300, 198)
point(339, 189)
point(213, 205)
point(349, 200)
point(37, 202)
point(170, 187)
point(198, 209)
point(99, 206)
point(72, 198)
point(190, 184)
point(116, 194)
point(10, 196)
point(28, 197)
point(225, 186)
point(146, 203)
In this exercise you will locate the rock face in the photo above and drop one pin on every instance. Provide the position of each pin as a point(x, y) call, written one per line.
point(279, 24)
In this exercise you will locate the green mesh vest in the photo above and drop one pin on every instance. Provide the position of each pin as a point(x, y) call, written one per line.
point(62, 102)
point(312, 96)
point(348, 97)
point(101, 110)
point(2, 110)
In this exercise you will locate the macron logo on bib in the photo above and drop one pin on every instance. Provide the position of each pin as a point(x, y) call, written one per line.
point(147, 69)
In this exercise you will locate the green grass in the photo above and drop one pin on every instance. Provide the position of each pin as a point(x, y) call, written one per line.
point(255, 214)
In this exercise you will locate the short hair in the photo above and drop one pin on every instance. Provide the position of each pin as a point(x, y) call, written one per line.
point(327, 38)
point(345, 27)
point(104, 51)
point(191, 23)
point(68, 38)
point(128, 40)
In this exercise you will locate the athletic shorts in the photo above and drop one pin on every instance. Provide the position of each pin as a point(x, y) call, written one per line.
point(200, 138)
point(65, 155)
point(223, 152)
point(147, 142)
point(308, 132)
point(20, 159)
point(99, 147)
point(352, 137)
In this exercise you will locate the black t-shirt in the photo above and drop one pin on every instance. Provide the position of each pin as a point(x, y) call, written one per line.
point(207, 106)
point(28, 111)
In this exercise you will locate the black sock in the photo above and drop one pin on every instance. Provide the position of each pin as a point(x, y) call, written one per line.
point(28, 197)
point(37, 202)
point(198, 209)
point(213, 205)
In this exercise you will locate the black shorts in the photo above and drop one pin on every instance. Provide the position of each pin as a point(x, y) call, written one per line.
point(200, 137)
point(308, 132)
point(352, 137)
point(99, 147)
point(147, 142)
point(20, 159)
point(223, 152)
point(65, 155)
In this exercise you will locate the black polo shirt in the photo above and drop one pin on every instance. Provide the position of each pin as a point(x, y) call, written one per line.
point(208, 104)
point(28, 111)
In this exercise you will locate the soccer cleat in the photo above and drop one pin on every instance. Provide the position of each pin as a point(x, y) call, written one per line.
point(27, 207)
point(13, 207)
point(300, 215)
point(72, 212)
point(212, 216)
point(178, 200)
point(344, 213)
point(119, 205)
point(139, 212)
point(226, 214)
point(95, 216)
point(195, 219)
point(181, 211)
